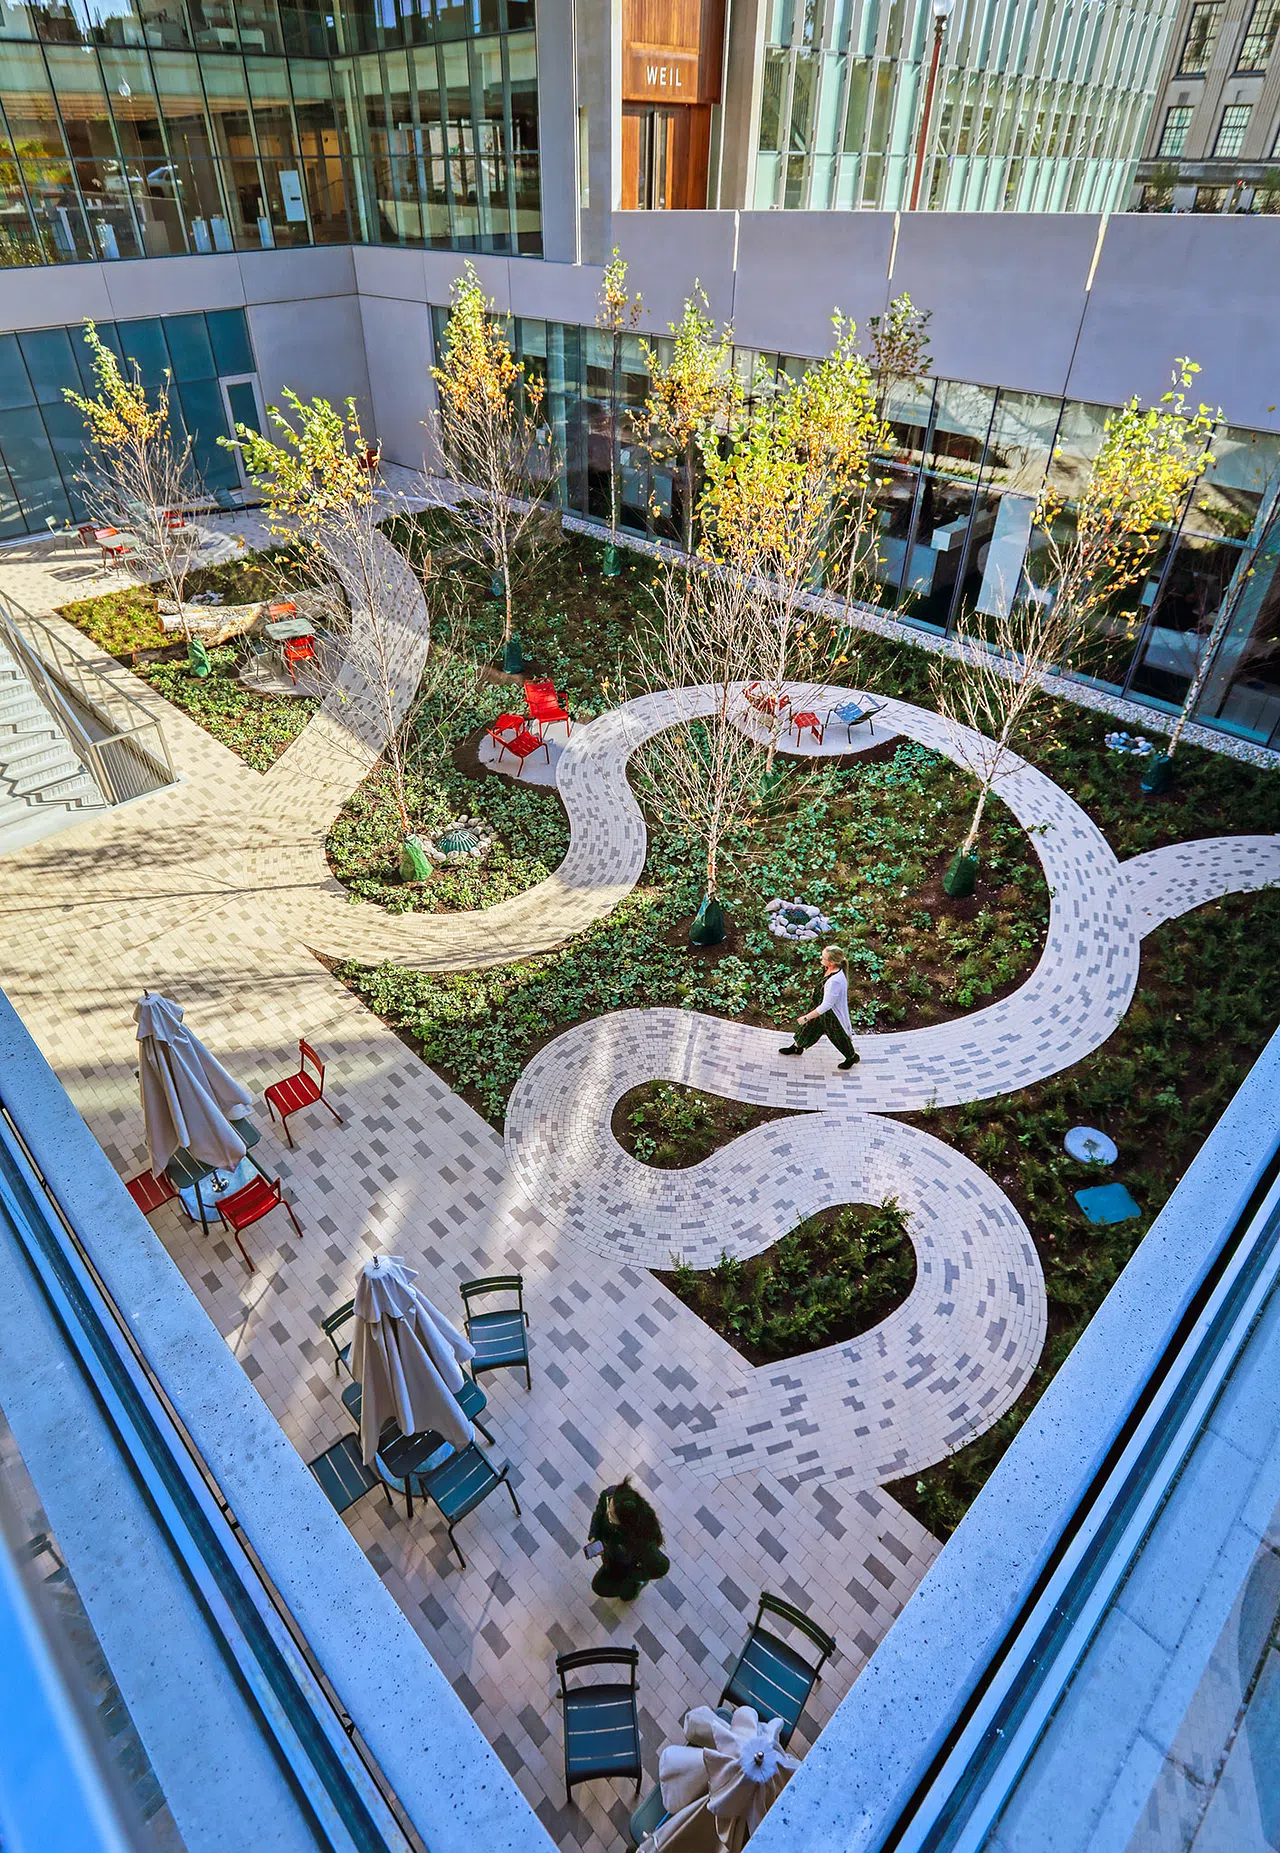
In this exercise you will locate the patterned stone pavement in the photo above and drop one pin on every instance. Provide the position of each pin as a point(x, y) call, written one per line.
point(214, 890)
point(159, 893)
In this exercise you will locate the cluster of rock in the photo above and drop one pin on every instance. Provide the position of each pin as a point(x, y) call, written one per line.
point(464, 840)
point(796, 920)
point(1129, 743)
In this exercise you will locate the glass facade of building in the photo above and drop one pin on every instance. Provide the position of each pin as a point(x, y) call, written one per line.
point(42, 444)
point(1038, 107)
point(955, 501)
point(180, 126)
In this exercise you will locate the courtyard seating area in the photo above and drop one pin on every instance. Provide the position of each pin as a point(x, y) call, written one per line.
point(788, 1559)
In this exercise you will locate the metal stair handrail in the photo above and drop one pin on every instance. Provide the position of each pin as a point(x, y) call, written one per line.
point(132, 757)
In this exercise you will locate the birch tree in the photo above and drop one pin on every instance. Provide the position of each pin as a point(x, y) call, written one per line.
point(691, 396)
point(140, 471)
point(495, 443)
point(700, 776)
point(616, 311)
point(1139, 482)
point(781, 501)
point(321, 497)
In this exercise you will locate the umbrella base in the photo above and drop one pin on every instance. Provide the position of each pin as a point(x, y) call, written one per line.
point(203, 1193)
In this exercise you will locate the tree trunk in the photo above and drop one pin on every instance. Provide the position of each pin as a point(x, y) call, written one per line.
point(966, 848)
point(506, 587)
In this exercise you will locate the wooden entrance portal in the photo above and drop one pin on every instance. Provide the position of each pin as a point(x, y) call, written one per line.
point(671, 55)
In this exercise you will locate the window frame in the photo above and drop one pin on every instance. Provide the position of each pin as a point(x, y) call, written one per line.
point(1185, 111)
point(1242, 116)
point(1214, 9)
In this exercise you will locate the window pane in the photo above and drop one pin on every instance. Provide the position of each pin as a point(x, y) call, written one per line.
point(1202, 36)
point(15, 387)
point(229, 336)
point(1176, 123)
point(27, 452)
point(205, 418)
point(1232, 130)
point(189, 348)
point(1258, 41)
point(50, 363)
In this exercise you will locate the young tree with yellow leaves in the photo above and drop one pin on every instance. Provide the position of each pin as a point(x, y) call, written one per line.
point(616, 311)
point(701, 775)
point(783, 499)
point(692, 396)
point(495, 443)
point(321, 497)
point(1139, 482)
point(140, 472)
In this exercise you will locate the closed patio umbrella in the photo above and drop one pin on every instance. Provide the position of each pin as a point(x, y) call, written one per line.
point(719, 1789)
point(747, 1771)
point(188, 1098)
point(406, 1357)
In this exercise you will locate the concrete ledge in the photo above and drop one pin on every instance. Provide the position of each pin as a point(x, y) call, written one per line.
point(450, 1782)
point(882, 1738)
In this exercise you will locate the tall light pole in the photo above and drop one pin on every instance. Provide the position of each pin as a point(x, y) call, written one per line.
point(941, 14)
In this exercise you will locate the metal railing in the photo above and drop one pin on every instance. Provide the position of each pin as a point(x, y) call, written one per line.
point(131, 755)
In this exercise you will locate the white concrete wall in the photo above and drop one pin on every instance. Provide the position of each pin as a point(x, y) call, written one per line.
point(1018, 299)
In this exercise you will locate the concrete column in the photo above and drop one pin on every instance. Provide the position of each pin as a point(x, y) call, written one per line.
point(558, 130)
point(740, 111)
point(599, 68)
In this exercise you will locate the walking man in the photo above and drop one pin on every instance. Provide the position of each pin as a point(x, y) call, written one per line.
point(830, 1014)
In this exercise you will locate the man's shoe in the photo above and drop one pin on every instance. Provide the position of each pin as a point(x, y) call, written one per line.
point(789, 1048)
point(849, 1064)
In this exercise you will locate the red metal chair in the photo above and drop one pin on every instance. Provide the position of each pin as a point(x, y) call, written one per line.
point(756, 698)
point(149, 1191)
point(805, 722)
point(250, 1204)
point(505, 724)
point(298, 650)
point(524, 744)
point(544, 706)
point(299, 1090)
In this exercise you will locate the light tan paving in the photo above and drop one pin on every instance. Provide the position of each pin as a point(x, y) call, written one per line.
point(156, 894)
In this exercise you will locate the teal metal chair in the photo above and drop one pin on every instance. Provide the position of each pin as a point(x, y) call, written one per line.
point(460, 1484)
point(771, 1675)
point(343, 1476)
point(649, 1815)
point(471, 1399)
point(333, 1328)
point(601, 1724)
point(500, 1336)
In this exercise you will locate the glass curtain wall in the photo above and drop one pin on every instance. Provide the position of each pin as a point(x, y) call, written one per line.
point(42, 442)
point(954, 502)
point(188, 126)
point(1040, 105)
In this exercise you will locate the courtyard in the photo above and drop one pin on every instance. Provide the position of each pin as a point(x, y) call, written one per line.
point(496, 1149)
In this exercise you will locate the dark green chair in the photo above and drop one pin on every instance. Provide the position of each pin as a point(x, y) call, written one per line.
point(601, 1724)
point(332, 1327)
point(457, 1486)
point(343, 1476)
point(501, 1336)
point(650, 1814)
point(771, 1675)
point(471, 1399)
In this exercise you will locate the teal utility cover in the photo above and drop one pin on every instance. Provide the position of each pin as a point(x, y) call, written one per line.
point(1107, 1203)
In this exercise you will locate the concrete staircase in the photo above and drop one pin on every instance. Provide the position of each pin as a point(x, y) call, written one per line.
point(43, 784)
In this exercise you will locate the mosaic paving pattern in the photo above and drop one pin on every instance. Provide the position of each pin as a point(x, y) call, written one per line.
point(215, 889)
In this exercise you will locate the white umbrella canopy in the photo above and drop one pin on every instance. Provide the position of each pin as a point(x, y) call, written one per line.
point(406, 1357)
point(720, 1787)
point(747, 1771)
point(188, 1098)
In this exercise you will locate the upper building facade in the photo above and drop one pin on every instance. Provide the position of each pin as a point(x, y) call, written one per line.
point(1213, 144)
point(1034, 105)
point(157, 128)
point(149, 128)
